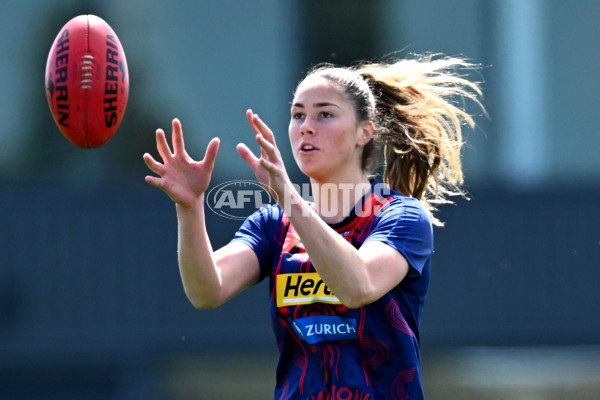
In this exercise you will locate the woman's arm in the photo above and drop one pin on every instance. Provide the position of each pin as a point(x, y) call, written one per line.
point(209, 277)
point(356, 276)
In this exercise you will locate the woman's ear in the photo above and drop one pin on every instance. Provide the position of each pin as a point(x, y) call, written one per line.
point(365, 132)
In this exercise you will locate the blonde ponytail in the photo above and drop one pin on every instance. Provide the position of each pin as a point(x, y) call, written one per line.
point(420, 125)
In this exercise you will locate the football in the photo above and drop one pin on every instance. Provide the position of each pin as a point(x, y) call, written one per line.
point(87, 83)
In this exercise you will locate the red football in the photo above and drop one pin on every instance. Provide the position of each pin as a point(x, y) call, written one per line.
point(87, 83)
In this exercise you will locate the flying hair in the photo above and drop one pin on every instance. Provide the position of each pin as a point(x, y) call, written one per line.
point(418, 106)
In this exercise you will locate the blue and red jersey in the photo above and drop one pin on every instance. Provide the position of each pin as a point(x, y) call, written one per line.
point(328, 351)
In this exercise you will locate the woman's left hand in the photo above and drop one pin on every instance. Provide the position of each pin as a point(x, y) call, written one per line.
point(269, 168)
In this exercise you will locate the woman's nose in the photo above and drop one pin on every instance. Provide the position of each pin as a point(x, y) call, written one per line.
point(306, 128)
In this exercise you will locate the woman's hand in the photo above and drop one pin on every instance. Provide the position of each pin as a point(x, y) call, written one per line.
point(269, 168)
point(183, 179)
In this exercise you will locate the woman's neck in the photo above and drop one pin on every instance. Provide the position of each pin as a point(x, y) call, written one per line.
point(334, 201)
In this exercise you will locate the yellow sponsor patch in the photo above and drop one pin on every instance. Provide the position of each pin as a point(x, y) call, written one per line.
point(303, 288)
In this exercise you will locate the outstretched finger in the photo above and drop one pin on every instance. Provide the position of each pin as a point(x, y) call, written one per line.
point(247, 156)
point(211, 153)
point(177, 137)
point(267, 148)
point(154, 181)
point(258, 126)
point(268, 165)
point(250, 117)
point(162, 145)
point(152, 164)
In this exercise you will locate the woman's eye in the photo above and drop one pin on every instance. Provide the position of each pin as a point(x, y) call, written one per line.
point(325, 114)
point(297, 115)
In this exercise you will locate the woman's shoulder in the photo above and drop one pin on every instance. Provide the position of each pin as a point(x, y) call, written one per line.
point(390, 198)
point(268, 214)
point(395, 206)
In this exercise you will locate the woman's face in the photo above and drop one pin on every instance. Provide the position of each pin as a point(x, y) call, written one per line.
point(326, 140)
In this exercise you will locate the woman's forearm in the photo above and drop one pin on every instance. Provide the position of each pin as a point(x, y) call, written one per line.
point(338, 263)
point(199, 273)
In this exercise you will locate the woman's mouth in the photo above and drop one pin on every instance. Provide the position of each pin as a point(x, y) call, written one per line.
point(307, 147)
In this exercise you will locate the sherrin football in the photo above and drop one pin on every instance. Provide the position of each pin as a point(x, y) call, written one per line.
point(87, 84)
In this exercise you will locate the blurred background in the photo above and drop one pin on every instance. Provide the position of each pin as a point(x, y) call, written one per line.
point(91, 304)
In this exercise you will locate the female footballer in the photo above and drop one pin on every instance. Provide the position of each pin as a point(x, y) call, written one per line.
point(349, 270)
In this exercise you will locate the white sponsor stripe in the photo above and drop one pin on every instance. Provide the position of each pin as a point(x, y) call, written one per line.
point(310, 299)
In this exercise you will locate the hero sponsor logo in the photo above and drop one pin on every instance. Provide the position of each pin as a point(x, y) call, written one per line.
point(303, 288)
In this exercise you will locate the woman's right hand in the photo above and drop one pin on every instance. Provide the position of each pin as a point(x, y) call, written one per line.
point(182, 178)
